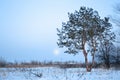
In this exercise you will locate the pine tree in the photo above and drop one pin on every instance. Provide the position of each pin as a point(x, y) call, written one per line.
point(84, 28)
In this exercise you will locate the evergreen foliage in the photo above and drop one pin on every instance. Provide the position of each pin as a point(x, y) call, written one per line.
point(84, 27)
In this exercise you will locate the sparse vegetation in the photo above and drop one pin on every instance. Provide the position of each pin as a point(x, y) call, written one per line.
point(63, 65)
point(3, 62)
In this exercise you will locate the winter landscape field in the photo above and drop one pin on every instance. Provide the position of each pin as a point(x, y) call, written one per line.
point(59, 40)
point(54, 73)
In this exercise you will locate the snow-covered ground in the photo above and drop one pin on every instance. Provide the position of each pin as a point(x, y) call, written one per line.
point(52, 73)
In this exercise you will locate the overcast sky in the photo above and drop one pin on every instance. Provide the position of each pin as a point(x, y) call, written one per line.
point(28, 27)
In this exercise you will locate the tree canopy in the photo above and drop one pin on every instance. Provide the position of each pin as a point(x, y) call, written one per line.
point(84, 27)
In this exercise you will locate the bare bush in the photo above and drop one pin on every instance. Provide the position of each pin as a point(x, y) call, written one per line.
point(2, 62)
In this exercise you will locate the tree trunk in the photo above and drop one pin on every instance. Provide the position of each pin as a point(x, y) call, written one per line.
point(88, 68)
point(107, 62)
point(93, 53)
point(93, 62)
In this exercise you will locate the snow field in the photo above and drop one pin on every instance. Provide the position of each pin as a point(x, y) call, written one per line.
point(53, 73)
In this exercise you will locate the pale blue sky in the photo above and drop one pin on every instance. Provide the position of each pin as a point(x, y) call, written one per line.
point(28, 27)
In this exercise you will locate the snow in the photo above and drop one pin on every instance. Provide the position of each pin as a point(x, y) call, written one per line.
point(53, 73)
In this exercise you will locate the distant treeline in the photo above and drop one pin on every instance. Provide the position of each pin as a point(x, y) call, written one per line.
point(4, 63)
point(67, 64)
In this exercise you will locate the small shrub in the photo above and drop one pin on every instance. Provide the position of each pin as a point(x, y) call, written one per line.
point(2, 62)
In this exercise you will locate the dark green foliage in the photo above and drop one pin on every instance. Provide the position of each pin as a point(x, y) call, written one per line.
point(73, 32)
point(83, 26)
